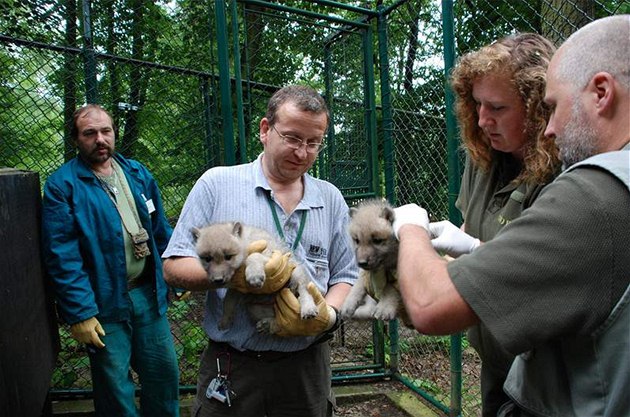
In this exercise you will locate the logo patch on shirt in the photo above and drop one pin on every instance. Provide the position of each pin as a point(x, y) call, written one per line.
point(317, 251)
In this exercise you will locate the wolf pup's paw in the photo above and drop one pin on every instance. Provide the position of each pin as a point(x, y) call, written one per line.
point(349, 307)
point(385, 311)
point(265, 326)
point(255, 275)
point(308, 312)
point(365, 311)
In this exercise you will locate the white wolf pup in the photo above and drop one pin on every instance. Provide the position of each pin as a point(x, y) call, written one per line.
point(375, 294)
point(223, 249)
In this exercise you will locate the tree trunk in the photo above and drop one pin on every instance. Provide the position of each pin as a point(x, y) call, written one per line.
point(130, 135)
point(561, 18)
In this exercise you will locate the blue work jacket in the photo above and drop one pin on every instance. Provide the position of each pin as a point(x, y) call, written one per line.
point(83, 244)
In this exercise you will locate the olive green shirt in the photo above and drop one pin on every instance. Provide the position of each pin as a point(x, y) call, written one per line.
point(489, 200)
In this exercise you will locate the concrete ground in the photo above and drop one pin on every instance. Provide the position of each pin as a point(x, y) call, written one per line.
point(405, 401)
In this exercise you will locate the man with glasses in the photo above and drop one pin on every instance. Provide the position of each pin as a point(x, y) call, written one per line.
point(263, 375)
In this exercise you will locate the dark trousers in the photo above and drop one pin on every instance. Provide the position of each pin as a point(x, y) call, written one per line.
point(272, 384)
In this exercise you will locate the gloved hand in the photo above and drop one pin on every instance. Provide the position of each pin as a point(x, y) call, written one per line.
point(287, 309)
point(181, 294)
point(410, 214)
point(278, 271)
point(451, 239)
point(87, 331)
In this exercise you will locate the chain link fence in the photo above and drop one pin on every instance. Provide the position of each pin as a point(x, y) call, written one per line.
point(188, 81)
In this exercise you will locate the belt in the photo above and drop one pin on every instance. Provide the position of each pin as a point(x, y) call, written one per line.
point(264, 355)
point(260, 355)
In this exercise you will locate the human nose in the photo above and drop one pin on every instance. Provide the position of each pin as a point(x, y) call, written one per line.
point(484, 116)
point(100, 138)
point(550, 129)
point(301, 151)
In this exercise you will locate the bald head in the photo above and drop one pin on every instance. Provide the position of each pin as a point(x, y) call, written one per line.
point(588, 90)
point(600, 46)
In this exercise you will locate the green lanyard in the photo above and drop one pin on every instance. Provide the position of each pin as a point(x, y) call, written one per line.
point(279, 227)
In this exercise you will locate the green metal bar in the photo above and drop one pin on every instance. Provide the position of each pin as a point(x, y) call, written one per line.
point(370, 106)
point(224, 83)
point(343, 378)
point(453, 187)
point(386, 104)
point(356, 368)
point(288, 9)
point(359, 196)
point(394, 346)
point(325, 163)
point(393, 7)
point(378, 339)
point(348, 7)
point(240, 118)
point(423, 394)
point(456, 375)
point(91, 92)
point(454, 173)
point(211, 154)
point(248, 89)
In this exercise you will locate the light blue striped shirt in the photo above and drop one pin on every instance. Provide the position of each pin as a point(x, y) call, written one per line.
point(239, 193)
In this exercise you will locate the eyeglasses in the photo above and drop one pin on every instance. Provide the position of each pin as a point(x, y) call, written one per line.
point(297, 143)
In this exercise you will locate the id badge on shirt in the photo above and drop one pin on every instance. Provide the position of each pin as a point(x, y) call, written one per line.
point(149, 203)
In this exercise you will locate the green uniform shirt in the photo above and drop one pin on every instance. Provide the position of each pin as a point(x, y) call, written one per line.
point(488, 201)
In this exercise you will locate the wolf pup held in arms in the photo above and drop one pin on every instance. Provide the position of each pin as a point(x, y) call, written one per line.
point(224, 250)
point(288, 372)
point(375, 295)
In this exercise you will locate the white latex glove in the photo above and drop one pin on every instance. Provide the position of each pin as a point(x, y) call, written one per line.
point(410, 214)
point(451, 239)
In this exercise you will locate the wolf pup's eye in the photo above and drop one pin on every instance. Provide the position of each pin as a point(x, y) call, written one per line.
point(378, 241)
point(228, 257)
point(207, 259)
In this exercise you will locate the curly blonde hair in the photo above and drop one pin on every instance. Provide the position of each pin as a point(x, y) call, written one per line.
point(524, 59)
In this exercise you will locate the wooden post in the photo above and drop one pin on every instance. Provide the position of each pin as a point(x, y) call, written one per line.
point(29, 339)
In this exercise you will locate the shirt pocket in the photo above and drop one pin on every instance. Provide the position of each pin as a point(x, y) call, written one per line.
point(318, 271)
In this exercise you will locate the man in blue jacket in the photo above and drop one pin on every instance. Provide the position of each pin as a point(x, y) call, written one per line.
point(104, 229)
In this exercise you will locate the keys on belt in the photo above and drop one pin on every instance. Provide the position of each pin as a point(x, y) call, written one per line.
point(219, 388)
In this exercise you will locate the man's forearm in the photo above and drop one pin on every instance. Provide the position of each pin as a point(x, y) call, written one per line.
point(186, 273)
point(337, 294)
point(431, 299)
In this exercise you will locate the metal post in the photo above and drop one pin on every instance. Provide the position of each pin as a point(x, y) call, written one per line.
point(453, 189)
point(386, 103)
point(224, 83)
point(91, 92)
point(370, 106)
point(239, 86)
point(324, 162)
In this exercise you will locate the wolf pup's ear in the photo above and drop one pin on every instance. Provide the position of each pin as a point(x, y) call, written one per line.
point(195, 232)
point(237, 230)
point(388, 214)
point(352, 211)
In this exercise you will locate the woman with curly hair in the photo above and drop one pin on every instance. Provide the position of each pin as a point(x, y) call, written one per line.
point(499, 92)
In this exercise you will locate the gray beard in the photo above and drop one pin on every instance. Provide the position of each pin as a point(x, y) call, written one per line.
point(579, 139)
